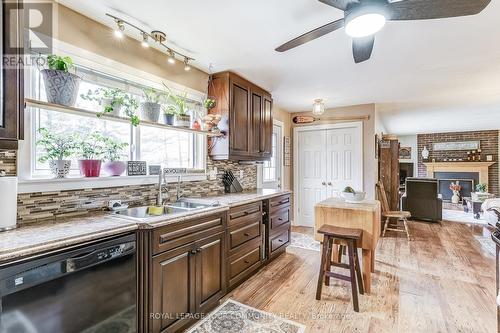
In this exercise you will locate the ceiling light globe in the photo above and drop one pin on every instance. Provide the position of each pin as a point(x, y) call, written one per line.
point(118, 34)
point(318, 107)
point(171, 60)
point(364, 25)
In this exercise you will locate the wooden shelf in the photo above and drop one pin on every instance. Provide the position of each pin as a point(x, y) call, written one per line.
point(88, 113)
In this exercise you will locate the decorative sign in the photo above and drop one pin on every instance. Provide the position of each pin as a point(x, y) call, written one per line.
point(169, 171)
point(405, 153)
point(384, 144)
point(303, 119)
point(287, 151)
point(136, 168)
point(154, 170)
point(458, 145)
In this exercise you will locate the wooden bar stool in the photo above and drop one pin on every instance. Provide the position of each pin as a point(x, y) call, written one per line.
point(350, 238)
point(399, 215)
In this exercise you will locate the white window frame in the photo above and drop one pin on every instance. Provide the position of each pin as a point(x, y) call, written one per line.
point(260, 168)
point(28, 183)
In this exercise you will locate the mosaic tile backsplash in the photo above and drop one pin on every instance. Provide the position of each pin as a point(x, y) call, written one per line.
point(48, 205)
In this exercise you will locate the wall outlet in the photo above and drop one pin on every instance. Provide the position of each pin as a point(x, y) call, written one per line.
point(241, 174)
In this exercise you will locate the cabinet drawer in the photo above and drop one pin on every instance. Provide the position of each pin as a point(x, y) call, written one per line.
point(277, 203)
point(279, 218)
point(280, 240)
point(243, 264)
point(243, 234)
point(178, 234)
point(250, 212)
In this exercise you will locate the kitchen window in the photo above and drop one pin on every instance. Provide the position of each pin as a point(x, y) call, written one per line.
point(156, 146)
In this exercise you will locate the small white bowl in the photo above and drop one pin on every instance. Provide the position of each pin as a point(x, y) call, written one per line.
point(353, 197)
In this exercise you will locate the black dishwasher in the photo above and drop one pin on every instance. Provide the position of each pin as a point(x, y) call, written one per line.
point(91, 288)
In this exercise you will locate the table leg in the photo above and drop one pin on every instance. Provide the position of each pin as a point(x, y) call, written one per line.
point(335, 253)
point(373, 262)
point(367, 268)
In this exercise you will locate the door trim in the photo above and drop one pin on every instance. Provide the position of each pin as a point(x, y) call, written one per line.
point(296, 130)
point(280, 143)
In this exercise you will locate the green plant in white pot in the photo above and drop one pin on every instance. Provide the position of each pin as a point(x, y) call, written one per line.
point(113, 101)
point(56, 149)
point(113, 155)
point(150, 108)
point(169, 112)
point(61, 86)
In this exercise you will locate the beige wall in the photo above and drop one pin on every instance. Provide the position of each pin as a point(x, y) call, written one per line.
point(284, 116)
point(83, 32)
point(369, 161)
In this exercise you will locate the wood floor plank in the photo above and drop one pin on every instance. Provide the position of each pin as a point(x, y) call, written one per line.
point(441, 281)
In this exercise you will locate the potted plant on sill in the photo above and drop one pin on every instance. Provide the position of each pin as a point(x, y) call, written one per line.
point(112, 101)
point(181, 119)
point(150, 108)
point(61, 86)
point(56, 147)
point(169, 112)
point(113, 152)
point(91, 149)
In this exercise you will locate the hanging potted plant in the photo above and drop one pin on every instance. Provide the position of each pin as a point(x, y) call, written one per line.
point(57, 148)
point(113, 153)
point(150, 108)
point(113, 101)
point(169, 112)
point(61, 86)
point(91, 150)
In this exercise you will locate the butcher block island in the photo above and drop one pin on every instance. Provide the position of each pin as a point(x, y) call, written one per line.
point(364, 215)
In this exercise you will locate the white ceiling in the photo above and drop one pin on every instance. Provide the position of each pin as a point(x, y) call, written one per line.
point(426, 76)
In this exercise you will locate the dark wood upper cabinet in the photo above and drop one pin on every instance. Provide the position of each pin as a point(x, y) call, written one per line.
point(246, 111)
point(11, 75)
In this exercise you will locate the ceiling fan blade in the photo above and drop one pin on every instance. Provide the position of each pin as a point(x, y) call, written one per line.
point(435, 9)
point(311, 35)
point(339, 4)
point(362, 48)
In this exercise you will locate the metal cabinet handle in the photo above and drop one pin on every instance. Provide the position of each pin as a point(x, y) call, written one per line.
point(192, 251)
point(280, 219)
point(247, 262)
point(246, 234)
point(198, 250)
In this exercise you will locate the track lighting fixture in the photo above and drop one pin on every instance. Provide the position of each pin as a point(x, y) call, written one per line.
point(171, 57)
point(120, 27)
point(145, 43)
point(186, 64)
point(159, 39)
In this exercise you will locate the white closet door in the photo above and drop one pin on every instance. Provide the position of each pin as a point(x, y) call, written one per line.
point(344, 165)
point(312, 173)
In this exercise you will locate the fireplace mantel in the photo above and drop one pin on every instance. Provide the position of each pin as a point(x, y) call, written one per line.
point(480, 167)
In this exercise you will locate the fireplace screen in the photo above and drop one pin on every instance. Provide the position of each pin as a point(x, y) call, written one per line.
point(467, 180)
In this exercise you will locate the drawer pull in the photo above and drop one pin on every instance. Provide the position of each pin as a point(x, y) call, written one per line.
point(247, 262)
point(280, 219)
point(280, 240)
point(246, 234)
point(192, 251)
point(198, 250)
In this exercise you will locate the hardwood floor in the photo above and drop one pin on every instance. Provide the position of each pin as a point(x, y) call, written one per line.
point(441, 281)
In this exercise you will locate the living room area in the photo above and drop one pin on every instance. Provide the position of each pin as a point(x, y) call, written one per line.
point(450, 176)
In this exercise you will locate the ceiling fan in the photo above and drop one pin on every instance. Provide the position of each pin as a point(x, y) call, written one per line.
point(363, 18)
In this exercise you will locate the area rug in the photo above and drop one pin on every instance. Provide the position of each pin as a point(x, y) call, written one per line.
point(232, 317)
point(304, 241)
point(461, 216)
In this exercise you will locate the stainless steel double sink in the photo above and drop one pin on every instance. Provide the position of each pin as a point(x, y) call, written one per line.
point(147, 212)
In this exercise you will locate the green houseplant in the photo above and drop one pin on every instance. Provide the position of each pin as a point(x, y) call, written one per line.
point(150, 108)
point(112, 101)
point(57, 148)
point(180, 102)
point(91, 149)
point(169, 112)
point(61, 86)
point(113, 153)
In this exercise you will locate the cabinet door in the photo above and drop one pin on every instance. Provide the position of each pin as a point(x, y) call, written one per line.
point(239, 119)
point(173, 286)
point(257, 123)
point(266, 128)
point(11, 75)
point(210, 281)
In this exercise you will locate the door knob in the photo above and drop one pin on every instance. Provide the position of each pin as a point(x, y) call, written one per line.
point(323, 183)
point(330, 183)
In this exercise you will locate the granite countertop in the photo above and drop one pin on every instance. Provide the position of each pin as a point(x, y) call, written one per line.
point(39, 237)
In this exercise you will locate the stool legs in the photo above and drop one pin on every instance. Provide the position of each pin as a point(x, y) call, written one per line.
point(405, 221)
point(328, 267)
point(322, 266)
point(352, 268)
point(358, 270)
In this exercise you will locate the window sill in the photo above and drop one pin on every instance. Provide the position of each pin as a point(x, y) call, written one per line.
point(78, 183)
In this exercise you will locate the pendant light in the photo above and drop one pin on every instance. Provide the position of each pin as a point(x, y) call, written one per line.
point(318, 107)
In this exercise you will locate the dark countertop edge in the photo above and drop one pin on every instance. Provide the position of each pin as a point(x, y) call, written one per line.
point(27, 251)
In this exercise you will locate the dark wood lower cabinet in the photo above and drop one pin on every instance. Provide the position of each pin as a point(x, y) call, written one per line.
point(184, 269)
